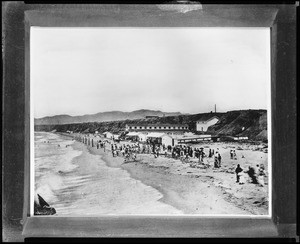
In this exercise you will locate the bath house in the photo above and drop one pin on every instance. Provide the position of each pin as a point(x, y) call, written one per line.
point(202, 125)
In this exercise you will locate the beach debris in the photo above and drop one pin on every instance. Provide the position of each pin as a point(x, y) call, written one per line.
point(41, 207)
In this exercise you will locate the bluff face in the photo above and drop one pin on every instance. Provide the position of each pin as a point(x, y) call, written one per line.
point(250, 123)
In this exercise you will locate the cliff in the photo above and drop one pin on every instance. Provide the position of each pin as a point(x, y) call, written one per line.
point(250, 123)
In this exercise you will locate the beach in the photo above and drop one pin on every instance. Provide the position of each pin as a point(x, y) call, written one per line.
point(159, 186)
point(77, 182)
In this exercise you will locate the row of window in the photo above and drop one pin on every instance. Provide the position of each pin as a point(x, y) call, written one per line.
point(158, 127)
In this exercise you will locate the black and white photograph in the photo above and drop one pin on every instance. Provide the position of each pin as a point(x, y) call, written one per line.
point(171, 120)
point(150, 121)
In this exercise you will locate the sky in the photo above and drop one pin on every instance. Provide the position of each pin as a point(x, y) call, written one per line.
point(79, 71)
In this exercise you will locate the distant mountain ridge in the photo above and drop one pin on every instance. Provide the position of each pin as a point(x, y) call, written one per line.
point(101, 117)
point(250, 123)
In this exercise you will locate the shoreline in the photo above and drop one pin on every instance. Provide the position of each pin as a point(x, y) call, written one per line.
point(95, 166)
point(191, 192)
point(180, 191)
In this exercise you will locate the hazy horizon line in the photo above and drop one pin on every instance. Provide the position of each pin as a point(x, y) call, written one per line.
point(148, 110)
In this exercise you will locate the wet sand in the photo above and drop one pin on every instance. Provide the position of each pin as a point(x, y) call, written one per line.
point(113, 191)
point(195, 189)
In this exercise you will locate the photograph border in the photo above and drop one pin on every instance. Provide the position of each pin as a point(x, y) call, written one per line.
point(18, 17)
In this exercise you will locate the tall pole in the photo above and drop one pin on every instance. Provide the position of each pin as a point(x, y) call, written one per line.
point(215, 108)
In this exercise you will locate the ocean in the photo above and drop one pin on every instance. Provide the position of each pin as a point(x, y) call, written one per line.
point(78, 183)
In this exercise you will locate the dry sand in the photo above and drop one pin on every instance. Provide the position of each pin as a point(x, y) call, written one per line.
point(194, 188)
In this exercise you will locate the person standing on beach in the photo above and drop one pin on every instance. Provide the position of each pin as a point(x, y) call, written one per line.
point(252, 175)
point(202, 154)
point(256, 170)
point(181, 152)
point(237, 171)
point(191, 152)
point(234, 155)
point(261, 176)
point(242, 178)
point(198, 155)
point(173, 153)
point(195, 153)
point(219, 160)
point(231, 154)
point(216, 159)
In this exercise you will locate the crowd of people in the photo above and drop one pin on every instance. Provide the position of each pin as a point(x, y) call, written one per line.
point(183, 152)
point(256, 174)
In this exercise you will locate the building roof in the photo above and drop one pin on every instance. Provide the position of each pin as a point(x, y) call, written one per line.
point(156, 134)
point(189, 134)
point(192, 137)
point(159, 125)
point(132, 134)
point(206, 120)
point(177, 136)
point(142, 134)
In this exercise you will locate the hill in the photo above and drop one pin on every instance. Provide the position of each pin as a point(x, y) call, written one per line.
point(251, 123)
point(101, 117)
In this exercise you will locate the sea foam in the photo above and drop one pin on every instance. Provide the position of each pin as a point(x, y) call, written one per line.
point(87, 186)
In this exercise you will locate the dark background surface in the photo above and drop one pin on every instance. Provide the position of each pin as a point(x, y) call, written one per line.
point(16, 99)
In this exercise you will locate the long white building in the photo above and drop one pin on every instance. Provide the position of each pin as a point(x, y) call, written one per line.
point(166, 128)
